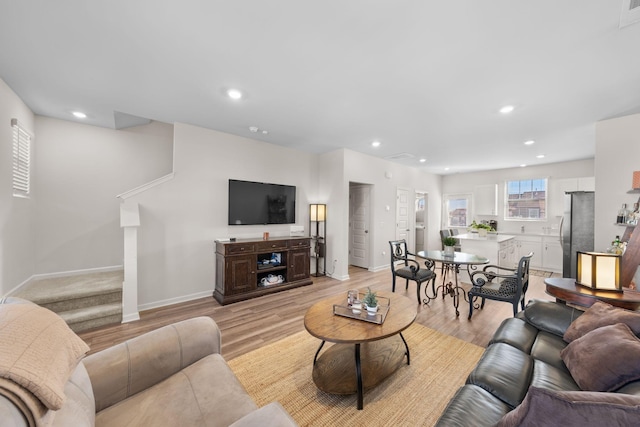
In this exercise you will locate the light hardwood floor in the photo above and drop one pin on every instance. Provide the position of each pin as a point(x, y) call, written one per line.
point(248, 325)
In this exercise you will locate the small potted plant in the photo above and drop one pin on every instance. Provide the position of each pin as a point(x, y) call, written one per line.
point(449, 243)
point(370, 301)
point(481, 229)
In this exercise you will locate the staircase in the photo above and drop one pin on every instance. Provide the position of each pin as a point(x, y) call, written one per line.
point(84, 301)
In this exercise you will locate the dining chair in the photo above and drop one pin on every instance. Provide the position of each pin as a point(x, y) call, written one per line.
point(444, 233)
point(511, 285)
point(408, 268)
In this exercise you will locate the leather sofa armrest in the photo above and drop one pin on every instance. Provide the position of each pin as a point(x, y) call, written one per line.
point(549, 316)
point(271, 415)
point(139, 363)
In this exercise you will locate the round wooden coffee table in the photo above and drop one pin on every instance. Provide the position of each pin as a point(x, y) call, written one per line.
point(371, 351)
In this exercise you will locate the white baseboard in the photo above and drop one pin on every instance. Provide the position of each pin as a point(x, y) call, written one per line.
point(131, 318)
point(176, 300)
point(76, 272)
point(380, 268)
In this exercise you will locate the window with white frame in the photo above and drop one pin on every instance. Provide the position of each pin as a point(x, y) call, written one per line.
point(526, 199)
point(457, 210)
point(21, 160)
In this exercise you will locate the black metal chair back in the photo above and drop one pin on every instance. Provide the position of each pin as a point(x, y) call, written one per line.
point(511, 286)
point(406, 267)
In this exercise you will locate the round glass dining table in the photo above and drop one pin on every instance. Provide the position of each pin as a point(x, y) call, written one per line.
point(450, 268)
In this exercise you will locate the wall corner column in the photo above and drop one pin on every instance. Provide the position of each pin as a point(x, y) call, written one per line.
point(130, 221)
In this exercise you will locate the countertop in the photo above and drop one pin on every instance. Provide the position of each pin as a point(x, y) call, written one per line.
point(490, 237)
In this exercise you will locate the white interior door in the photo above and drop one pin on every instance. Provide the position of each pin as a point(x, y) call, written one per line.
point(421, 223)
point(359, 225)
point(403, 226)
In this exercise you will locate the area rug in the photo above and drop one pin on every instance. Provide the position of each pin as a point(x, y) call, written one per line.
point(415, 394)
point(540, 273)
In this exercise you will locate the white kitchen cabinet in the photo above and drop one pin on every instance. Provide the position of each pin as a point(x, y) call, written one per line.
point(558, 187)
point(507, 254)
point(552, 254)
point(526, 244)
point(485, 199)
point(587, 183)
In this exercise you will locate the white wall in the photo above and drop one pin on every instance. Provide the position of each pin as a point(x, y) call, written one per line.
point(465, 183)
point(338, 169)
point(181, 218)
point(78, 171)
point(617, 157)
point(17, 237)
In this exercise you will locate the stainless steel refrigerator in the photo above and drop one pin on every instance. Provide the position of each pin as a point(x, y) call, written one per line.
point(576, 228)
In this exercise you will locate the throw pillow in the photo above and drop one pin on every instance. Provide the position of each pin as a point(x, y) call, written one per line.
point(542, 407)
point(605, 359)
point(602, 314)
point(39, 351)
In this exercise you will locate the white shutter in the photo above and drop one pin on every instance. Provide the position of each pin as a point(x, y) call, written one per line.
point(21, 160)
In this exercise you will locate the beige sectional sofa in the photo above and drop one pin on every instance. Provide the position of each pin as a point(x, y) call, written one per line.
point(173, 376)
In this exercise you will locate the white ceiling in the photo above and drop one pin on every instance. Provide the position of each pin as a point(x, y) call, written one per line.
point(423, 77)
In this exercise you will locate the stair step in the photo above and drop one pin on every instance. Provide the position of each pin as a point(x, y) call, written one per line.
point(92, 317)
point(84, 301)
point(54, 290)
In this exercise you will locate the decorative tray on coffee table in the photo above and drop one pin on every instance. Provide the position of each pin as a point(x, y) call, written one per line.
point(347, 311)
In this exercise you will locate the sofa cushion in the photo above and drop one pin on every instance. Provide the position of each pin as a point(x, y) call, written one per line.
point(516, 333)
point(473, 406)
point(604, 359)
point(43, 351)
point(573, 408)
point(550, 317)
point(206, 393)
point(79, 408)
point(547, 348)
point(549, 377)
point(602, 314)
point(503, 371)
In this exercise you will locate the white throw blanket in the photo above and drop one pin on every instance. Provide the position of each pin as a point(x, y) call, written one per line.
point(38, 354)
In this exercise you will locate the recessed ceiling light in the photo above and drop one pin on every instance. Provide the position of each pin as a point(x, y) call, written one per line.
point(523, 165)
point(253, 129)
point(529, 142)
point(507, 109)
point(423, 160)
point(447, 168)
point(79, 114)
point(375, 144)
point(540, 156)
point(234, 94)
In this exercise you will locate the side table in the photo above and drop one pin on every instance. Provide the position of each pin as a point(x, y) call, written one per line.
point(567, 291)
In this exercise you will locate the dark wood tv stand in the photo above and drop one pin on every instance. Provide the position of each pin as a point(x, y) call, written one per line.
point(241, 267)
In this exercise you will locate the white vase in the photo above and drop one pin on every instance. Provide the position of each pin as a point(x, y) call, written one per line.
point(482, 232)
point(448, 250)
point(372, 310)
point(356, 308)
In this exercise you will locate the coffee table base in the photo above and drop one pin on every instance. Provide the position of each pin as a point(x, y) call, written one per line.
point(354, 368)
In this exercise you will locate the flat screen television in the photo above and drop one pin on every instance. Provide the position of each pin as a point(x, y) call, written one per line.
point(253, 203)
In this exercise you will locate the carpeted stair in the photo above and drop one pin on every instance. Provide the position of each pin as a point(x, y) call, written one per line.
point(84, 301)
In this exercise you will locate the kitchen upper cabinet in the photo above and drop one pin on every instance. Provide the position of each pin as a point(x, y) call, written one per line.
point(485, 199)
point(558, 187)
point(588, 183)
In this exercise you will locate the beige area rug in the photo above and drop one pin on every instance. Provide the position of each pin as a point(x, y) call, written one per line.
point(414, 395)
point(540, 273)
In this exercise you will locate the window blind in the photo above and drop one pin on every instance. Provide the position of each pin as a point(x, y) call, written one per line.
point(21, 160)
